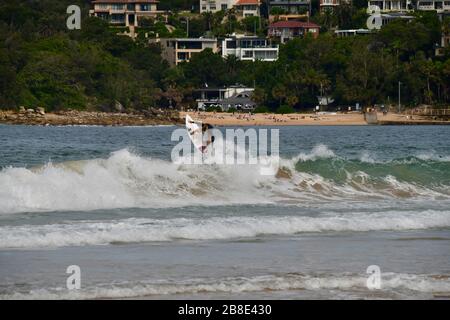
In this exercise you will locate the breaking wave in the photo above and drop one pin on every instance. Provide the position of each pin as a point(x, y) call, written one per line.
point(395, 285)
point(136, 230)
point(127, 180)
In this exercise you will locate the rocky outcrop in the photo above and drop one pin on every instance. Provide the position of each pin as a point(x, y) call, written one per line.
point(71, 117)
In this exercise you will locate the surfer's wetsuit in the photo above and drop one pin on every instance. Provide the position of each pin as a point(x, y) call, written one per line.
point(205, 127)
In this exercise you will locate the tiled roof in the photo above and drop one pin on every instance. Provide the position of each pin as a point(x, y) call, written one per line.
point(293, 24)
point(247, 2)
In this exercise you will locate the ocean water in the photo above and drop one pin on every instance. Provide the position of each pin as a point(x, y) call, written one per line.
point(109, 200)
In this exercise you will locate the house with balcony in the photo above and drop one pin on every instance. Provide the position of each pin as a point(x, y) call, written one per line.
point(216, 5)
point(248, 8)
point(124, 12)
point(237, 96)
point(178, 50)
point(288, 10)
point(392, 5)
point(249, 48)
point(439, 6)
point(287, 30)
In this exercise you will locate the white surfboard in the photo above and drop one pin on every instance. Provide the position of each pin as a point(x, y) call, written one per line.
point(195, 134)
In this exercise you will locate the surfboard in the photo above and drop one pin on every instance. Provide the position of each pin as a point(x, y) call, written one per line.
point(195, 134)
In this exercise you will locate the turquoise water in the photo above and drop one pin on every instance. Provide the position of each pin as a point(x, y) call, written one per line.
point(110, 200)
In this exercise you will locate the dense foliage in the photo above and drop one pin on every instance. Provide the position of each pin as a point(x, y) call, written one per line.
point(44, 64)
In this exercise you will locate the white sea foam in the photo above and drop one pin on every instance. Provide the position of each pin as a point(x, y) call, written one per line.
point(319, 151)
point(399, 285)
point(220, 228)
point(426, 156)
point(127, 180)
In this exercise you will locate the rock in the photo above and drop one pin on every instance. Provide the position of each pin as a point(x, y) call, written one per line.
point(22, 109)
point(118, 106)
point(30, 110)
point(40, 110)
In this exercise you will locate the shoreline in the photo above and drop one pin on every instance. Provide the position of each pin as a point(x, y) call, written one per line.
point(272, 119)
point(308, 119)
point(156, 117)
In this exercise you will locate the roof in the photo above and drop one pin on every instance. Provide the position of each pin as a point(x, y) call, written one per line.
point(293, 24)
point(125, 1)
point(247, 2)
point(244, 97)
point(194, 39)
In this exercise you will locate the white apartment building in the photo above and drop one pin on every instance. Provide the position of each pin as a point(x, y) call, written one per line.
point(437, 5)
point(216, 5)
point(391, 5)
point(249, 48)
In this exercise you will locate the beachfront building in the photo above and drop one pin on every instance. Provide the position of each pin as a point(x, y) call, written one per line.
point(216, 5)
point(287, 30)
point(249, 48)
point(248, 8)
point(238, 97)
point(439, 6)
point(288, 10)
point(125, 13)
point(244, 8)
point(177, 50)
point(391, 5)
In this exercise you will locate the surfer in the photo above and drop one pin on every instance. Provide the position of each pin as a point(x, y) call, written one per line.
point(205, 128)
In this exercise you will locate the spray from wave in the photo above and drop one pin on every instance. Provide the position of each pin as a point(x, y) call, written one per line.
point(127, 180)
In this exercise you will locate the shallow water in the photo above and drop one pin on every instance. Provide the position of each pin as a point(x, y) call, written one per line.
point(110, 200)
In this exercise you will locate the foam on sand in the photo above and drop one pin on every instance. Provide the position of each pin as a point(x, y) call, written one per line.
point(397, 284)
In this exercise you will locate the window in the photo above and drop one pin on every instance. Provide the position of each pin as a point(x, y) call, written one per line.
point(224, 7)
point(103, 15)
point(131, 6)
point(102, 6)
point(117, 7)
point(204, 8)
point(118, 18)
point(183, 56)
point(231, 44)
point(189, 45)
point(145, 7)
point(212, 7)
point(248, 54)
point(263, 55)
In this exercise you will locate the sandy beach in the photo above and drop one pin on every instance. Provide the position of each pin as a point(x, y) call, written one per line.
point(271, 119)
point(295, 119)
